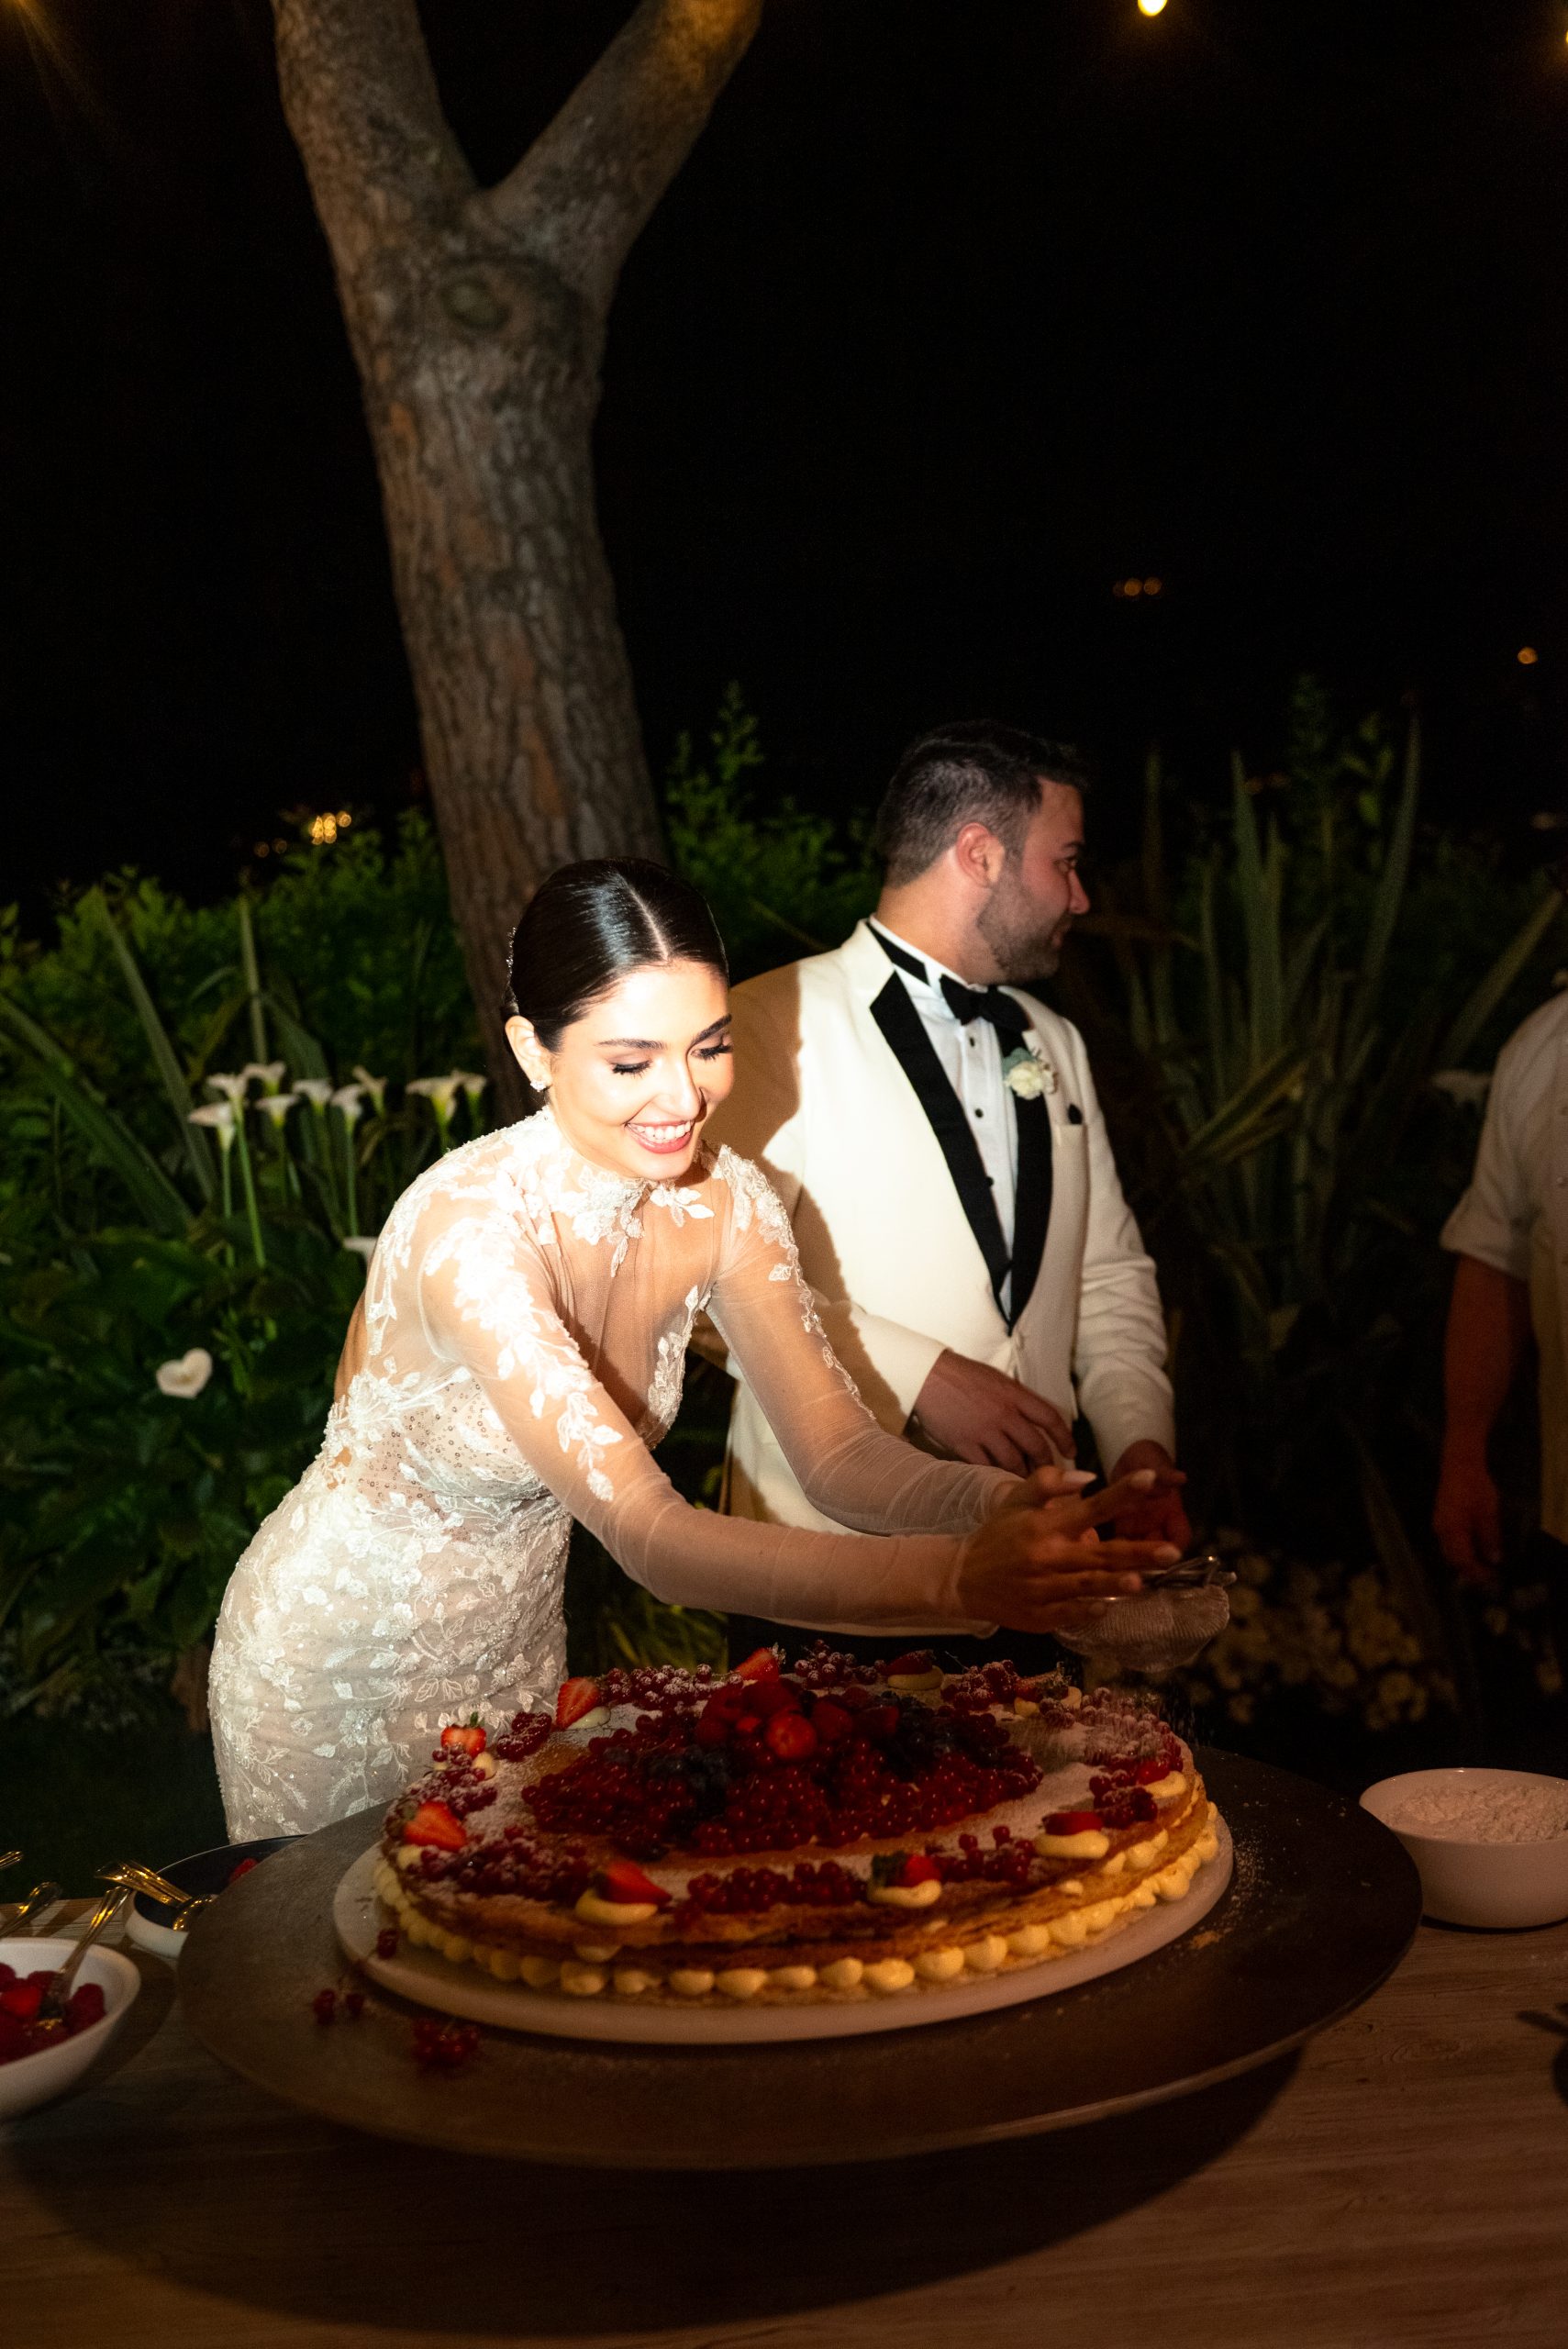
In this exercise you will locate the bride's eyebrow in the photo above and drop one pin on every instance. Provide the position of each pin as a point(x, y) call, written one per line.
point(653, 1044)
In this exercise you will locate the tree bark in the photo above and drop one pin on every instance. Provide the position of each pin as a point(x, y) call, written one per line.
point(477, 321)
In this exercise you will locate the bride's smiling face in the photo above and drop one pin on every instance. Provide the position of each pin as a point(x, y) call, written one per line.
point(633, 1080)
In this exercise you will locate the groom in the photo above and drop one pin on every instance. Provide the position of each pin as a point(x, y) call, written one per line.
point(934, 1133)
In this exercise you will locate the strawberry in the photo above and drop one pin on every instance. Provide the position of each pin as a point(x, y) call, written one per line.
point(467, 1737)
point(22, 2000)
point(791, 1736)
point(434, 1823)
point(832, 1722)
point(623, 1880)
point(906, 1667)
point(763, 1664)
point(716, 1723)
point(920, 1868)
point(770, 1697)
point(880, 1721)
point(1072, 1822)
point(575, 1698)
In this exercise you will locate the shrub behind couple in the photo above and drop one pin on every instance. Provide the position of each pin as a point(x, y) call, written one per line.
point(967, 1253)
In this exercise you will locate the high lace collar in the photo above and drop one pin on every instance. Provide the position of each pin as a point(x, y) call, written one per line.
point(599, 1203)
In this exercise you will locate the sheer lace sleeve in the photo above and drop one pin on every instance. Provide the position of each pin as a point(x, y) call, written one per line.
point(488, 1302)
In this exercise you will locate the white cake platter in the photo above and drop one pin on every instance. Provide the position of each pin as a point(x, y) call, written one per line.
point(358, 1916)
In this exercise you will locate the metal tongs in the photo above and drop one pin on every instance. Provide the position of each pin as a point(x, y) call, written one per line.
point(1206, 1570)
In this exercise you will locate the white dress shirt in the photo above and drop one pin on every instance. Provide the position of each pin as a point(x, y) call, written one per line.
point(971, 1060)
point(1515, 1218)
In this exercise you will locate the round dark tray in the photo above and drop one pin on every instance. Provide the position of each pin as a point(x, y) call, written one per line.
point(1323, 1905)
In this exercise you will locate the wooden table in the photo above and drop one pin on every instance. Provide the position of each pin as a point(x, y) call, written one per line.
point(1404, 2181)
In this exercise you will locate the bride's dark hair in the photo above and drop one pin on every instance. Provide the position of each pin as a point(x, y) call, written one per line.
point(590, 924)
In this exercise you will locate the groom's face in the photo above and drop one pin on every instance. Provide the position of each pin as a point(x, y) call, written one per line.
point(1037, 896)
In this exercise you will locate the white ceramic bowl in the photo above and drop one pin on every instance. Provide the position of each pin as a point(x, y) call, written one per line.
point(1469, 1883)
point(35, 2080)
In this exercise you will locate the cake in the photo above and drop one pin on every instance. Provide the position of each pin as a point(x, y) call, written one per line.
point(836, 1831)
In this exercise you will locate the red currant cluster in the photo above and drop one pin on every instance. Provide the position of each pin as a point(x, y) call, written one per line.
point(746, 1892)
point(767, 1766)
point(444, 2046)
point(1008, 1863)
point(517, 1863)
point(455, 1783)
point(825, 1667)
point(658, 1686)
point(526, 1733)
point(982, 1685)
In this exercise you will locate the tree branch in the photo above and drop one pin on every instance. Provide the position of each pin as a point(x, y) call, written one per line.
point(579, 197)
point(362, 102)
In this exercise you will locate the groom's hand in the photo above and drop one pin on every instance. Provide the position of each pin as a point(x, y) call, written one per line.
point(1159, 1515)
point(983, 1416)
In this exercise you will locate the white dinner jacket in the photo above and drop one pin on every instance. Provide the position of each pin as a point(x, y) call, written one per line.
point(822, 1101)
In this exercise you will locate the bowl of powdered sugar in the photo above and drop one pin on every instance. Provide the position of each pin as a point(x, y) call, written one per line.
point(1492, 1845)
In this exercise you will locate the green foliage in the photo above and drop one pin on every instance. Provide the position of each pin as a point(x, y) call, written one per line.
point(782, 884)
point(1269, 1011)
point(152, 1207)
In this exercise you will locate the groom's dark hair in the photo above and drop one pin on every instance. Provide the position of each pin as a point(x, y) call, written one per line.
point(975, 771)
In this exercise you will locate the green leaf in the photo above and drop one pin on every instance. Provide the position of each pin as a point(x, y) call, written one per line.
point(103, 1131)
point(165, 1060)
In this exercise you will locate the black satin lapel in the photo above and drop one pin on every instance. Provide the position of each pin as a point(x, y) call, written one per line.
point(1032, 1210)
point(901, 1025)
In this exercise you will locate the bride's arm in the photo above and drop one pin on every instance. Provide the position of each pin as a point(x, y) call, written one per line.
point(848, 1466)
point(486, 1302)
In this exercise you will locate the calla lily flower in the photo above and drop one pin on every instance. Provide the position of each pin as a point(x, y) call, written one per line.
point(269, 1075)
point(318, 1090)
point(277, 1105)
point(221, 1117)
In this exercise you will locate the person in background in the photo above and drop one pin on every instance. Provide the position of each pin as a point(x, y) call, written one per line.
point(934, 1132)
point(1509, 1234)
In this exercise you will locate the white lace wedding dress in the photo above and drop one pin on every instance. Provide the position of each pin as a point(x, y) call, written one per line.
point(527, 1316)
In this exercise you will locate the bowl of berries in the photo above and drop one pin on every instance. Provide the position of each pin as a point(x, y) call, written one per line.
point(41, 2056)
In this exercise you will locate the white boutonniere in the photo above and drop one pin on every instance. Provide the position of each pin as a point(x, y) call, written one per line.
point(1028, 1073)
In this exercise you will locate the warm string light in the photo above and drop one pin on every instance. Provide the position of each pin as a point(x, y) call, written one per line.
point(1527, 656)
point(1130, 588)
point(1151, 7)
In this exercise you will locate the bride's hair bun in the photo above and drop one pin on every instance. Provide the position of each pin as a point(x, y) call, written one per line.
point(590, 924)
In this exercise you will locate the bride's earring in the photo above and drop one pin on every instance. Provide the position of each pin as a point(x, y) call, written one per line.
point(524, 1043)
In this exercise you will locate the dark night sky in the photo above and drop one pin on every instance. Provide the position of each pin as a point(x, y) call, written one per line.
point(962, 309)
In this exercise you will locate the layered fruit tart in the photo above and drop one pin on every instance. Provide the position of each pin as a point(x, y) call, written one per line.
point(836, 1831)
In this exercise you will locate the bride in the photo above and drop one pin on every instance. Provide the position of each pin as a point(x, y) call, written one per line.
point(525, 1326)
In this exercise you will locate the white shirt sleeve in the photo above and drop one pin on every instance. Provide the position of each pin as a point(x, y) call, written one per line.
point(1492, 1221)
point(1119, 1360)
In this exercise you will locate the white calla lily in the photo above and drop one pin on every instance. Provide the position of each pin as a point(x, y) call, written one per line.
point(316, 1090)
point(276, 1105)
point(269, 1075)
point(233, 1087)
point(221, 1117)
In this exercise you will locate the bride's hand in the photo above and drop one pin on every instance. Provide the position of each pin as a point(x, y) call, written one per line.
point(1038, 1564)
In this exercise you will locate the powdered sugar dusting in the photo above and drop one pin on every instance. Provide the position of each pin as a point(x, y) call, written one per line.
point(1521, 1811)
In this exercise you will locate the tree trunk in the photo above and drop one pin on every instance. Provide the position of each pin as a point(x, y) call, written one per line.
point(477, 321)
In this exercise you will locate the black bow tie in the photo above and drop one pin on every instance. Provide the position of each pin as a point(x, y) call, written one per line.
point(968, 1004)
